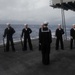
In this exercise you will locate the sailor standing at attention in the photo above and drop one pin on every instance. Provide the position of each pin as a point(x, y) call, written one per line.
point(45, 39)
point(72, 34)
point(59, 32)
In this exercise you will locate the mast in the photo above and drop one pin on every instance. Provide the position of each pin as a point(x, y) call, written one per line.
point(63, 20)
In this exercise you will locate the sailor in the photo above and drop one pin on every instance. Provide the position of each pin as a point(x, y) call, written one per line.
point(9, 31)
point(40, 35)
point(59, 32)
point(45, 39)
point(26, 33)
point(72, 35)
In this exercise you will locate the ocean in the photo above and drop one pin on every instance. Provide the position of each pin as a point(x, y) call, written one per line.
point(34, 34)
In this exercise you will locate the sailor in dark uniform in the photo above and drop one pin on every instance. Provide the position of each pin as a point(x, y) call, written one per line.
point(59, 32)
point(26, 32)
point(45, 39)
point(40, 35)
point(72, 34)
point(9, 31)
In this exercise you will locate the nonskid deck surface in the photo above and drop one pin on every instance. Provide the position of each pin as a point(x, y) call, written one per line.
point(62, 62)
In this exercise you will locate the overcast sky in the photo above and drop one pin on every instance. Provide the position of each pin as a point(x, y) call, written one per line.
point(33, 11)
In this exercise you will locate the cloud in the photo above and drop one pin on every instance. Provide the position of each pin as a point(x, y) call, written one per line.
point(30, 10)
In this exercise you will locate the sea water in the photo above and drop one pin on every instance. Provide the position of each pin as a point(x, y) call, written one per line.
point(35, 31)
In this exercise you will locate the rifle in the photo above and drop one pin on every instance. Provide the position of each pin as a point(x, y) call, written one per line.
point(21, 42)
point(4, 45)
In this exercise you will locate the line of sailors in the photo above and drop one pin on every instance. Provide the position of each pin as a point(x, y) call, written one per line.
point(45, 39)
point(8, 33)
